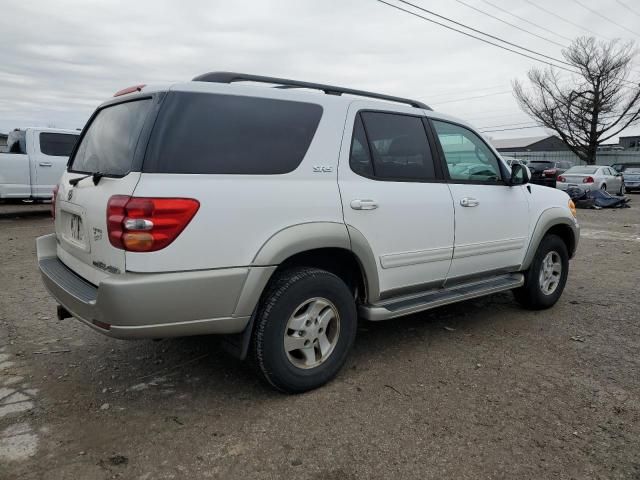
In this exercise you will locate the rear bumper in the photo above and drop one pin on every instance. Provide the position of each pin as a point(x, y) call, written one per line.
point(155, 305)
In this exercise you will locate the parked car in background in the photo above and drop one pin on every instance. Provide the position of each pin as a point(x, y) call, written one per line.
point(621, 167)
point(545, 172)
point(632, 179)
point(592, 177)
point(35, 161)
point(281, 215)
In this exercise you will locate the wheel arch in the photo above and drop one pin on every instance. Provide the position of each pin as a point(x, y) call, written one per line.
point(553, 221)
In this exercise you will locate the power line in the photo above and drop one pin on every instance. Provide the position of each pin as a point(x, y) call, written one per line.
point(509, 23)
point(606, 117)
point(476, 37)
point(525, 20)
point(505, 125)
point(471, 98)
point(606, 18)
point(444, 94)
point(563, 19)
point(628, 7)
point(509, 129)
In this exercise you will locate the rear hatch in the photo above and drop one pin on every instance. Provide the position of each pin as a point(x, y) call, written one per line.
point(632, 175)
point(537, 168)
point(106, 162)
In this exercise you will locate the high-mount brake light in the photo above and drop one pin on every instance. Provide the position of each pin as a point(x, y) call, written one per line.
point(140, 224)
point(588, 180)
point(135, 88)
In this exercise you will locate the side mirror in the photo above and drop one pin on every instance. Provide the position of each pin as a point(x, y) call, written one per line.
point(519, 175)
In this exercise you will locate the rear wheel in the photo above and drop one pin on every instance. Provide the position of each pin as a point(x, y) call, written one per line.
point(305, 327)
point(603, 187)
point(547, 275)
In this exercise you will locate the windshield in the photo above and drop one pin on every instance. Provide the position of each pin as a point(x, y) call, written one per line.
point(587, 170)
point(110, 142)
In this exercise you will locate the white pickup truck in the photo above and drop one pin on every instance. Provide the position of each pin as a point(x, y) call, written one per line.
point(36, 159)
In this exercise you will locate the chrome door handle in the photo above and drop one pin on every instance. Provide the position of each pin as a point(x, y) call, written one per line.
point(45, 164)
point(364, 205)
point(469, 202)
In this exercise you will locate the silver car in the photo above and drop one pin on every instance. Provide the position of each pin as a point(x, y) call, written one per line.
point(632, 179)
point(590, 178)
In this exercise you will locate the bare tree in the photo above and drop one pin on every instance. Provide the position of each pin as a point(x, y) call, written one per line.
point(596, 103)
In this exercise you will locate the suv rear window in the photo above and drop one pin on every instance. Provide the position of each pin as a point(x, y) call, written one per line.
point(57, 144)
point(110, 142)
point(230, 134)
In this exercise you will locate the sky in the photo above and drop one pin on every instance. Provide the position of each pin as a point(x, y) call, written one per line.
point(60, 59)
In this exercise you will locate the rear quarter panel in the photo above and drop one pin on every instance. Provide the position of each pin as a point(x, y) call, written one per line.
point(239, 213)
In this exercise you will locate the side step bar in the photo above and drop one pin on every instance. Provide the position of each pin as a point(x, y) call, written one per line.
point(398, 307)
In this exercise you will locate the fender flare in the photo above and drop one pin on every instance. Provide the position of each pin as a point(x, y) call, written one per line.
point(548, 219)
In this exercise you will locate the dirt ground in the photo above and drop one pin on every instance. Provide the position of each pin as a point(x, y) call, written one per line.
point(483, 389)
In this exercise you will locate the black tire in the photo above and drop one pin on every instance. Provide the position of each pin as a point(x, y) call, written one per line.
point(531, 294)
point(603, 187)
point(622, 189)
point(286, 293)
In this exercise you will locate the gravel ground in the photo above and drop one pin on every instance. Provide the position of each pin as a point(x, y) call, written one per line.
point(482, 389)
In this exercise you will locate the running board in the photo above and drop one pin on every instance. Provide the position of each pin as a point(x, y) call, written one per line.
point(398, 307)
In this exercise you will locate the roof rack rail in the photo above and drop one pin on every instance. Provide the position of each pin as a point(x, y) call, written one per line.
point(230, 77)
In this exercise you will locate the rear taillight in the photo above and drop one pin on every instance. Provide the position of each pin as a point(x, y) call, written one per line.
point(53, 202)
point(139, 224)
point(549, 172)
point(588, 180)
point(561, 178)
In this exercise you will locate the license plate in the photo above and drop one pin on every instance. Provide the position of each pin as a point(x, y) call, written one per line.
point(76, 228)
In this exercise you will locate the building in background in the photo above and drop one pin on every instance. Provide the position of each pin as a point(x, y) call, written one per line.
point(630, 143)
point(547, 143)
point(3, 142)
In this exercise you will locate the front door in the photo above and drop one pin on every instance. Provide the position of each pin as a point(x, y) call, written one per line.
point(393, 194)
point(492, 218)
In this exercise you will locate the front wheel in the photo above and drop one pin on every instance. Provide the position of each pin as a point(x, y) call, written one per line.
point(622, 189)
point(305, 328)
point(547, 275)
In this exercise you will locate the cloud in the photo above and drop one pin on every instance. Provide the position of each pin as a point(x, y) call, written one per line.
point(61, 59)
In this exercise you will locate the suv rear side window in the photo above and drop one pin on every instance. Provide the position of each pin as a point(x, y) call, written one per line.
point(468, 157)
point(396, 143)
point(230, 134)
point(57, 144)
point(109, 144)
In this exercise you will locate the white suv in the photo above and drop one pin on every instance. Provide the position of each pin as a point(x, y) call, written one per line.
point(277, 212)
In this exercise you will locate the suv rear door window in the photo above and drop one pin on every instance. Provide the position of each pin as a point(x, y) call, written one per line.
point(109, 144)
point(230, 134)
point(57, 144)
point(397, 144)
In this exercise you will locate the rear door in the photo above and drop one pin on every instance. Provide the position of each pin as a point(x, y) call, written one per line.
point(491, 218)
point(393, 194)
point(113, 145)
point(49, 159)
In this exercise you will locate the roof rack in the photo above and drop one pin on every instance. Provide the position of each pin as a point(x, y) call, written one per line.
point(230, 77)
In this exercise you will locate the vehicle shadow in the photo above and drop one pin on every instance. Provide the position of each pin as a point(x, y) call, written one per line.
point(200, 367)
